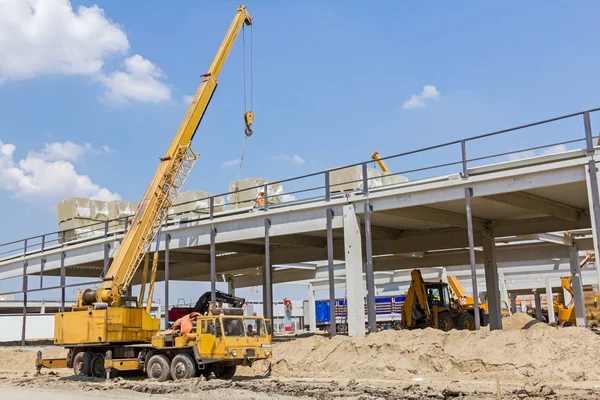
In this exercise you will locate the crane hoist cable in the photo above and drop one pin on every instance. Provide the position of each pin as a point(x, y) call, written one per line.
point(248, 114)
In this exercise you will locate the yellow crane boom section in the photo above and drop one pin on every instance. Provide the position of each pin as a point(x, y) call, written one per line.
point(382, 165)
point(172, 171)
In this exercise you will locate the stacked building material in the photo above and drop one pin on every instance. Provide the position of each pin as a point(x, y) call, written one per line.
point(351, 179)
point(191, 204)
point(80, 218)
point(118, 211)
point(244, 193)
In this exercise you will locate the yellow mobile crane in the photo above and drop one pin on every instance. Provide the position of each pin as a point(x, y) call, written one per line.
point(104, 330)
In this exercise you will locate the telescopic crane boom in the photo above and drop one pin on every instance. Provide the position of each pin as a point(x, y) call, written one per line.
point(168, 180)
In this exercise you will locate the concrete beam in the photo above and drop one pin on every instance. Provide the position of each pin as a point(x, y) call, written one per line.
point(540, 204)
point(442, 217)
point(538, 225)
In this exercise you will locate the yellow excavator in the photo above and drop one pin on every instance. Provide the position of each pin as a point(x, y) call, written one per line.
point(107, 331)
point(428, 304)
point(566, 312)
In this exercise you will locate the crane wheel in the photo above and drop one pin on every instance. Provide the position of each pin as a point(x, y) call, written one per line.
point(445, 321)
point(82, 364)
point(158, 368)
point(183, 367)
point(465, 321)
point(225, 372)
point(97, 366)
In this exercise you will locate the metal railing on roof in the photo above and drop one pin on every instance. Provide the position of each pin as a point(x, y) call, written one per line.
point(320, 190)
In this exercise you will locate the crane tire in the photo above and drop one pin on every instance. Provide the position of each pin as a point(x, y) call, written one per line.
point(82, 364)
point(465, 321)
point(445, 321)
point(159, 368)
point(183, 367)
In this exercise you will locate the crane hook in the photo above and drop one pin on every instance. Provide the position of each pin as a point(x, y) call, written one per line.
point(248, 119)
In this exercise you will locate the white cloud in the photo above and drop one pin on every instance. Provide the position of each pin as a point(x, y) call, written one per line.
point(559, 148)
point(294, 158)
point(141, 81)
point(39, 37)
point(230, 163)
point(187, 100)
point(48, 175)
point(45, 37)
point(429, 92)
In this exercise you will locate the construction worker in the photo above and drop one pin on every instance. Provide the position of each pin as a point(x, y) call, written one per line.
point(260, 201)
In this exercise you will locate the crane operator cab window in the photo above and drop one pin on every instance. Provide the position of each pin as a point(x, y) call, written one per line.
point(438, 296)
point(255, 327)
point(233, 327)
point(211, 327)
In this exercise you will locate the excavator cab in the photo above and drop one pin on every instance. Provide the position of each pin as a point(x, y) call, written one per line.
point(438, 295)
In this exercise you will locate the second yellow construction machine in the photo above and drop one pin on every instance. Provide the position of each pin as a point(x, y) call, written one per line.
point(428, 304)
point(107, 329)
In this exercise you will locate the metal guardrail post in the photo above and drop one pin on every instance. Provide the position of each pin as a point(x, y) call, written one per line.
point(42, 265)
point(63, 278)
point(105, 229)
point(43, 242)
point(266, 196)
point(371, 316)
point(332, 322)
point(24, 326)
point(365, 178)
point(327, 187)
point(167, 242)
point(268, 283)
point(589, 144)
point(468, 194)
point(211, 203)
point(126, 223)
point(64, 235)
point(463, 148)
point(213, 265)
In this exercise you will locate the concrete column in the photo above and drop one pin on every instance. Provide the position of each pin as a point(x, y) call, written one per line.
point(354, 278)
point(513, 303)
point(444, 275)
point(491, 280)
point(503, 289)
point(312, 316)
point(538, 305)
point(550, 300)
point(576, 284)
point(592, 191)
point(230, 287)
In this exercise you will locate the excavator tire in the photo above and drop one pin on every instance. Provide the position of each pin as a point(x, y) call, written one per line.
point(445, 321)
point(183, 367)
point(82, 364)
point(465, 321)
point(158, 368)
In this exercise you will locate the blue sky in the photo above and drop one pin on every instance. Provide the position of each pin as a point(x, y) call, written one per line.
point(330, 80)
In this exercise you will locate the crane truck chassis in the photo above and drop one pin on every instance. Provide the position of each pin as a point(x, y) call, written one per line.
point(221, 340)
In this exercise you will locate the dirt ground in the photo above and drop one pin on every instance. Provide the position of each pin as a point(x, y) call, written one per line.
point(528, 360)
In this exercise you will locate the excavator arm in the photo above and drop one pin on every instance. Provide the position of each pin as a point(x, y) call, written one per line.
point(416, 295)
point(169, 178)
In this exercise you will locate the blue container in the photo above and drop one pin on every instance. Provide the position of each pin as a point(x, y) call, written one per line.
point(322, 311)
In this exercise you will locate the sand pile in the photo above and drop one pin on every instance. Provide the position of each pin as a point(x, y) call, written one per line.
point(542, 353)
point(520, 321)
point(17, 359)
